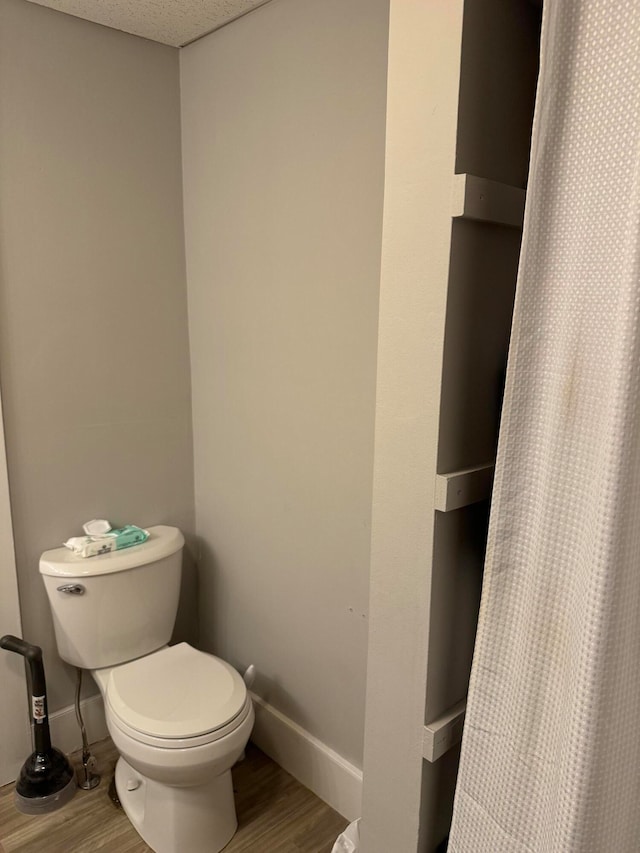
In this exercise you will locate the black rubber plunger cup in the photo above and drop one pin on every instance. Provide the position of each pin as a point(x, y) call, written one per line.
point(46, 781)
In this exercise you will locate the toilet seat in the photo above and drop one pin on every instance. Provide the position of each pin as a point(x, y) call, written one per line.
point(177, 697)
point(176, 743)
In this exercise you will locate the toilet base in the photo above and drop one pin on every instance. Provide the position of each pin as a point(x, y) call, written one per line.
point(198, 819)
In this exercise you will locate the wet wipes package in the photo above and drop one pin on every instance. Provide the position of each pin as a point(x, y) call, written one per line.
point(102, 543)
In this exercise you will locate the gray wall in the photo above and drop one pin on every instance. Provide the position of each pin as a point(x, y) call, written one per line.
point(94, 357)
point(283, 141)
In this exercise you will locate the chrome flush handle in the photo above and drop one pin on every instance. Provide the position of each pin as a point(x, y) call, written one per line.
point(72, 588)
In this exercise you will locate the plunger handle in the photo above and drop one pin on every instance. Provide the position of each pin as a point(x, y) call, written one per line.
point(39, 711)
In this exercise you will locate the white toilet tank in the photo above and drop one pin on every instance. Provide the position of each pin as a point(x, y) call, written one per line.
point(117, 606)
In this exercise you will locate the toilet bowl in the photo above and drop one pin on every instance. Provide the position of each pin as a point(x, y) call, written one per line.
point(179, 718)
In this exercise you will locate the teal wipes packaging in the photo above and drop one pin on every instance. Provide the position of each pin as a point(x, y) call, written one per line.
point(114, 540)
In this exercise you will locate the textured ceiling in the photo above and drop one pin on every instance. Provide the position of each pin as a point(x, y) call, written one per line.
point(174, 22)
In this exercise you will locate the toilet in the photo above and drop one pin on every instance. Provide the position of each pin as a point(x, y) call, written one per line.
point(179, 718)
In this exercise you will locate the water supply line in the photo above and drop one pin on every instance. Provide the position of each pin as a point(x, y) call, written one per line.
point(88, 777)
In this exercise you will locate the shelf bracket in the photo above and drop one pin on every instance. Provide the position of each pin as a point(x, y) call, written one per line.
point(487, 201)
point(462, 488)
point(444, 733)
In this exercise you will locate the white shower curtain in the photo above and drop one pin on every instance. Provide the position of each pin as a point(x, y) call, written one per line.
point(551, 748)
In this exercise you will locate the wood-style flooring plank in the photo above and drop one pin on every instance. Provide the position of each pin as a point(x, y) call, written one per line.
point(276, 814)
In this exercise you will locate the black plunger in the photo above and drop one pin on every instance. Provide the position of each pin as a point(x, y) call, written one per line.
point(45, 780)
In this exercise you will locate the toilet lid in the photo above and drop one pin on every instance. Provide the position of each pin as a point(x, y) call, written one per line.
point(176, 692)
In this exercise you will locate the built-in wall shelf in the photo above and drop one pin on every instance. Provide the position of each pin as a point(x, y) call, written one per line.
point(487, 201)
point(462, 488)
point(444, 733)
point(453, 336)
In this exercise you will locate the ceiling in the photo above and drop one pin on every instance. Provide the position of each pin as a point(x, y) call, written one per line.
point(173, 22)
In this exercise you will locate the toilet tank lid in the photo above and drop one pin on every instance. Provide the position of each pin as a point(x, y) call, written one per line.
point(162, 542)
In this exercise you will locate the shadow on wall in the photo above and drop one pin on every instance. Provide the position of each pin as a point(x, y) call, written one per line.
point(214, 633)
point(186, 628)
point(215, 630)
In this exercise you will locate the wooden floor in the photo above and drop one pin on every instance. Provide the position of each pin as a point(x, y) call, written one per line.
point(275, 815)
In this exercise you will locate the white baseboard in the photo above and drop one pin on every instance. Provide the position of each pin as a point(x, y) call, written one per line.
point(65, 732)
point(312, 762)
